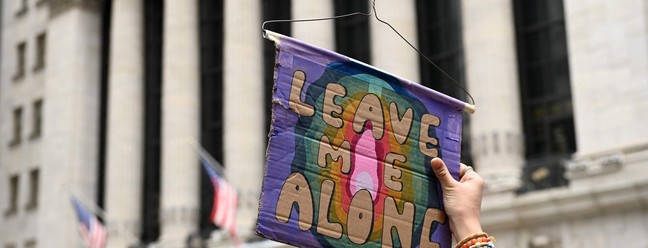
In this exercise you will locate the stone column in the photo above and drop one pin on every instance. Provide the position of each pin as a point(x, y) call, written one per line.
point(125, 123)
point(388, 51)
point(180, 123)
point(324, 34)
point(245, 132)
point(608, 43)
point(71, 117)
point(492, 77)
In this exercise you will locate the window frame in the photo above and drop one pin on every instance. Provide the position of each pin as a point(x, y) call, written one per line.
point(41, 2)
point(212, 99)
point(14, 191)
point(21, 61)
point(153, 22)
point(34, 189)
point(30, 243)
point(23, 8)
point(273, 10)
point(41, 50)
point(545, 103)
point(447, 22)
point(357, 46)
point(37, 121)
point(17, 116)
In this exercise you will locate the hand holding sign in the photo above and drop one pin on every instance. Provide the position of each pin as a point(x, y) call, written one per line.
point(462, 199)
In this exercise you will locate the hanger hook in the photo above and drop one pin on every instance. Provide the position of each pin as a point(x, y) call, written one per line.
point(374, 12)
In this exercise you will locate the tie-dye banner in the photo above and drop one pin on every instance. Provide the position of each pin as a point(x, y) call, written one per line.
point(348, 161)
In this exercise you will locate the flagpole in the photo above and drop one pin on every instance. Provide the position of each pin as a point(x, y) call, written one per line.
point(95, 209)
point(218, 167)
point(205, 154)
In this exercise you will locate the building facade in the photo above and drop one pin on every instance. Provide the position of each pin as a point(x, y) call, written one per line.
point(596, 195)
point(109, 100)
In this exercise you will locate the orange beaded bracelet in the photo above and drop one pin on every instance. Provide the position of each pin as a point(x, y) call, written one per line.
point(480, 237)
point(475, 241)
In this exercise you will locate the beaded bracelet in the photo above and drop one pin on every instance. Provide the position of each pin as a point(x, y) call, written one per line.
point(484, 245)
point(472, 240)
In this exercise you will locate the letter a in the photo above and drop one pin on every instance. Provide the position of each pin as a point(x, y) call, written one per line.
point(369, 109)
point(296, 191)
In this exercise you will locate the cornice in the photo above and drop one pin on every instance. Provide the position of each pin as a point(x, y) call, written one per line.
point(562, 204)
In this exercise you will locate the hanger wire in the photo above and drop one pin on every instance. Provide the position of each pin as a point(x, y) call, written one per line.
point(375, 14)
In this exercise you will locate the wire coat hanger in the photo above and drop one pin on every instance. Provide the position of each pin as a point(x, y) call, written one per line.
point(375, 14)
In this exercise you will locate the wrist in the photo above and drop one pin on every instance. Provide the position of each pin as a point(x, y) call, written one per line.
point(464, 227)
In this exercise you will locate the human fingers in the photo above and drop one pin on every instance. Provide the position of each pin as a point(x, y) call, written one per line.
point(442, 173)
point(471, 175)
point(463, 168)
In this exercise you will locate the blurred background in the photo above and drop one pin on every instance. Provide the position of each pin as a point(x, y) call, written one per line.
point(107, 100)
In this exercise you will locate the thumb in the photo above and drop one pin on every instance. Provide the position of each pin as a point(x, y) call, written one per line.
point(442, 173)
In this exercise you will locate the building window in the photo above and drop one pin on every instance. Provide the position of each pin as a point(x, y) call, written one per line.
point(40, 2)
point(30, 243)
point(153, 26)
point(273, 10)
point(17, 126)
point(106, 15)
point(546, 93)
point(21, 49)
point(37, 119)
point(34, 177)
point(13, 195)
point(352, 33)
point(211, 100)
point(440, 39)
point(22, 8)
point(40, 52)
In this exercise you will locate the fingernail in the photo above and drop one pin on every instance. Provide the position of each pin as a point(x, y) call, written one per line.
point(436, 164)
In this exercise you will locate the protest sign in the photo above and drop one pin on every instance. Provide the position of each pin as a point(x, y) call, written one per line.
point(348, 161)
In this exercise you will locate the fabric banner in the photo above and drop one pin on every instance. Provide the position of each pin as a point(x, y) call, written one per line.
point(348, 161)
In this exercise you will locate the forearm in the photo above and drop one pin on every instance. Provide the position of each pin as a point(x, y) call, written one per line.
point(464, 227)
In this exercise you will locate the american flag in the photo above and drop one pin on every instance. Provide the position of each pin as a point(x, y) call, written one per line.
point(91, 229)
point(223, 212)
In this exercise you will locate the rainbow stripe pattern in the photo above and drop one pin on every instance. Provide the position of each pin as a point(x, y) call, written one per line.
point(348, 161)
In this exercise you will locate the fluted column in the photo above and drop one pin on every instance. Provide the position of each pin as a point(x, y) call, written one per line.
point(70, 135)
point(245, 132)
point(180, 123)
point(492, 77)
point(388, 51)
point(317, 33)
point(125, 126)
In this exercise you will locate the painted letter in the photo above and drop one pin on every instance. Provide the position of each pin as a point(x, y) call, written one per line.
point(428, 120)
point(401, 126)
point(431, 215)
point(333, 230)
point(295, 102)
point(296, 191)
point(402, 222)
point(343, 151)
point(360, 218)
point(330, 108)
point(392, 174)
point(369, 109)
